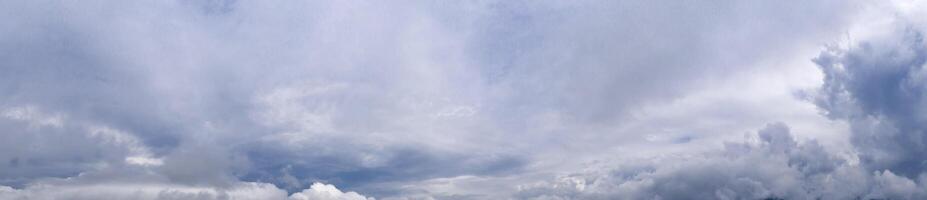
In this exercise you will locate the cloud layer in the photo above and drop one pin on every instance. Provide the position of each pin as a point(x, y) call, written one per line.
point(225, 99)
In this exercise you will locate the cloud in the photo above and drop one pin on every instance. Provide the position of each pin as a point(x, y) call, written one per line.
point(199, 101)
point(878, 87)
point(326, 192)
point(215, 98)
point(154, 191)
point(770, 166)
point(143, 191)
point(38, 144)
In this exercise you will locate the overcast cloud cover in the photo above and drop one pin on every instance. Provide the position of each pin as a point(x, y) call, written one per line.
point(322, 100)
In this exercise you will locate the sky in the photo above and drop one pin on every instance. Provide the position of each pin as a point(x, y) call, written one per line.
point(456, 100)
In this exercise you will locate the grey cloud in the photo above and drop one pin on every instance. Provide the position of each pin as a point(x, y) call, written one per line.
point(187, 79)
point(141, 182)
point(375, 96)
point(247, 191)
point(595, 59)
point(36, 144)
point(373, 170)
point(878, 87)
point(774, 166)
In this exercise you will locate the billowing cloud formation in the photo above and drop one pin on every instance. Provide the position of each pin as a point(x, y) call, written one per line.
point(880, 87)
point(322, 191)
point(218, 99)
point(770, 166)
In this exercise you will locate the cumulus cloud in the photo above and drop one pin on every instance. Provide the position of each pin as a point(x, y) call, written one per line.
point(879, 88)
point(328, 192)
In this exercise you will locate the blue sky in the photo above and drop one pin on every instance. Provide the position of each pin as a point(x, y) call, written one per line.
point(235, 99)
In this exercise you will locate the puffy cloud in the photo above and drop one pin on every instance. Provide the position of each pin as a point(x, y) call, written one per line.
point(322, 191)
point(879, 88)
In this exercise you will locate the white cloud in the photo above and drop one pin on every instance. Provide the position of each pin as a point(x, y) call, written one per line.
point(321, 191)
